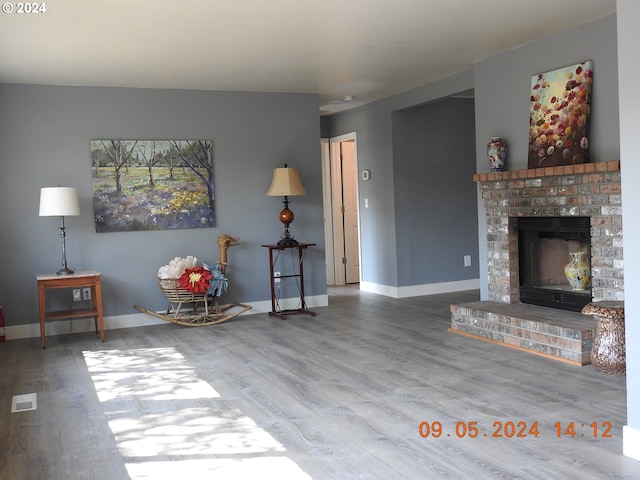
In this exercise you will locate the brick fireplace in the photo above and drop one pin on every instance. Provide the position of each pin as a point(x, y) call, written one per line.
point(586, 190)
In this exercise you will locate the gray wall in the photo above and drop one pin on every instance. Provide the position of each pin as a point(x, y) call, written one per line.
point(44, 141)
point(502, 87)
point(435, 196)
point(373, 124)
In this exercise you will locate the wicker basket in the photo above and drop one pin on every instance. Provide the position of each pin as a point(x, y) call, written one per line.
point(178, 296)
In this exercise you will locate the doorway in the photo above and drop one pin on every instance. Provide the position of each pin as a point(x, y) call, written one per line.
point(342, 232)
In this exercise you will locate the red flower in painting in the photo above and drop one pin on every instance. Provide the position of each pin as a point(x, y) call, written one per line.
point(196, 280)
point(579, 70)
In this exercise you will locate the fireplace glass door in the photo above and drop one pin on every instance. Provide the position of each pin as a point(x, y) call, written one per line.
point(545, 245)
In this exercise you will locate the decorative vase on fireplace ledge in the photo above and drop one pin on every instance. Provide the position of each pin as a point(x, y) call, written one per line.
point(497, 153)
point(577, 271)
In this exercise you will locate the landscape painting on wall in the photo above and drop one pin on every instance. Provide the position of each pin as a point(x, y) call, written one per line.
point(559, 116)
point(152, 184)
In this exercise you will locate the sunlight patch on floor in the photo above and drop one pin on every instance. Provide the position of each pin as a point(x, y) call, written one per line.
point(191, 431)
point(167, 422)
point(153, 373)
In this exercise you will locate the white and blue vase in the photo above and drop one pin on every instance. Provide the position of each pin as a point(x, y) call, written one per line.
point(497, 153)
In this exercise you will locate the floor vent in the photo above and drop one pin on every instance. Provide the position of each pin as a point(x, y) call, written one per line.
point(22, 403)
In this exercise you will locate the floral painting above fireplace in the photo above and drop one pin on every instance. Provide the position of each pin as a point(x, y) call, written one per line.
point(152, 184)
point(559, 116)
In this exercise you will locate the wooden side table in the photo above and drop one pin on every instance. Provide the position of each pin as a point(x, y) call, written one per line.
point(77, 280)
point(276, 311)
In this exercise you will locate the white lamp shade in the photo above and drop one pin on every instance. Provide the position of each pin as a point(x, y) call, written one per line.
point(59, 202)
point(286, 181)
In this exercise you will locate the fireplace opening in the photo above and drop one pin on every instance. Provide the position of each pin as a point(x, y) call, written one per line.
point(545, 245)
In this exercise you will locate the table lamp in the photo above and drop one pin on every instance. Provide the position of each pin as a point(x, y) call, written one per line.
point(286, 182)
point(60, 201)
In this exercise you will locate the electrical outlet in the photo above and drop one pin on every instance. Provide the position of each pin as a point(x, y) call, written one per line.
point(276, 277)
point(467, 260)
point(76, 295)
point(86, 293)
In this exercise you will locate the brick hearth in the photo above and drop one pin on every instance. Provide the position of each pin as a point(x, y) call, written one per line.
point(549, 332)
point(588, 190)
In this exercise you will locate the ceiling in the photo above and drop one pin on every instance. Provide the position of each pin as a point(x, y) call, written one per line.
point(358, 50)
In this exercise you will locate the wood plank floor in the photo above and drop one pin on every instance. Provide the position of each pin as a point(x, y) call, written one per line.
point(336, 396)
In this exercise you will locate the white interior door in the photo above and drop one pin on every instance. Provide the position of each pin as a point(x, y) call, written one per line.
point(350, 217)
point(341, 206)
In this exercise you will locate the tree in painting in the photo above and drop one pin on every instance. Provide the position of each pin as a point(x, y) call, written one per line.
point(152, 184)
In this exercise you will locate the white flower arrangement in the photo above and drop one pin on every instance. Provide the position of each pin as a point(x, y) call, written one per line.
point(216, 283)
point(176, 268)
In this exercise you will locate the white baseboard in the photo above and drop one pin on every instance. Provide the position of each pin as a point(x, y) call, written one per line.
point(419, 290)
point(80, 325)
point(631, 442)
